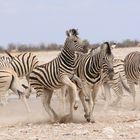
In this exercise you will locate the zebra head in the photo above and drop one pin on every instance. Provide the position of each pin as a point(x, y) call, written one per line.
point(73, 42)
point(106, 59)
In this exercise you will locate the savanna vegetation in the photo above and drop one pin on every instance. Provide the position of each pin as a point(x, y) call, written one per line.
point(54, 46)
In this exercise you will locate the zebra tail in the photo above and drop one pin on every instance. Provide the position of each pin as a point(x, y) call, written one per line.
point(124, 85)
point(9, 54)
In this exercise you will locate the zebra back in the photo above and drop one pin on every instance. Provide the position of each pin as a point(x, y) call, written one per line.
point(22, 64)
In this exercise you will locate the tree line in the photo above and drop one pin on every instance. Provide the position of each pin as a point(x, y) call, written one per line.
point(54, 46)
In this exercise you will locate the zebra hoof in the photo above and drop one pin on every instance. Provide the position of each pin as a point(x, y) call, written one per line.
point(87, 117)
point(75, 106)
point(66, 119)
point(87, 99)
point(88, 120)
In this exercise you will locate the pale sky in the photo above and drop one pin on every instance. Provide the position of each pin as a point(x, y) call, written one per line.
point(36, 21)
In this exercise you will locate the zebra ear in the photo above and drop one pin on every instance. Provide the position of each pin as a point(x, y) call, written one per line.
point(67, 33)
point(113, 46)
point(74, 32)
point(9, 54)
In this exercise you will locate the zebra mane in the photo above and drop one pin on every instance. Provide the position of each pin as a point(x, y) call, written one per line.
point(9, 54)
point(98, 49)
point(72, 32)
point(108, 50)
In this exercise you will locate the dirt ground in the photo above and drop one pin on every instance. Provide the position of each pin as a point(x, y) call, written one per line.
point(117, 123)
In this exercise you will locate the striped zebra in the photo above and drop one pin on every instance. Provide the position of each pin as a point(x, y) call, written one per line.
point(22, 64)
point(10, 80)
point(57, 73)
point(93, 68)
point(132, 70)
point(118, 82)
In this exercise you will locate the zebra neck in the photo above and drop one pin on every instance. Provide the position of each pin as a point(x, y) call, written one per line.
point(67, 56)
point(95, 63)
point(93, 69)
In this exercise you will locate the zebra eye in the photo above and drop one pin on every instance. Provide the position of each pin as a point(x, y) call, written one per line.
point(75, 41)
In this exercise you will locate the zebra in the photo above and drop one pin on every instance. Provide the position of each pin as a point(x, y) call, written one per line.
point(132, 70)
point(22, 64)
point(118, 82)
point(93, 68)
point(10, 80)
point(57, 73)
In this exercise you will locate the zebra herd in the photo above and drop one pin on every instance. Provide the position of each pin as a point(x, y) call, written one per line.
point(78, 73)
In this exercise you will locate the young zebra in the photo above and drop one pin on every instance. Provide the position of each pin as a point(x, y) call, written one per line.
point(10, 80)
point(132, 70)
point(57, 73)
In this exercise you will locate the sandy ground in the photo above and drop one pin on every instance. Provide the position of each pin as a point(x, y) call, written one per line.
point(116, 123)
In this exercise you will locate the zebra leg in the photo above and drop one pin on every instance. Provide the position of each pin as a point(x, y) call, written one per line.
point(63, 98)
point(68, 117)
point(119, 92)
point(103, 94)
point(86, 110)
point(15, 88)
point(46, 98)
point(107, 96)
point(93, 96)
point(3, 98)
point(69, 83)
point(133, 93)
point(82, 85)
point(23, 98)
